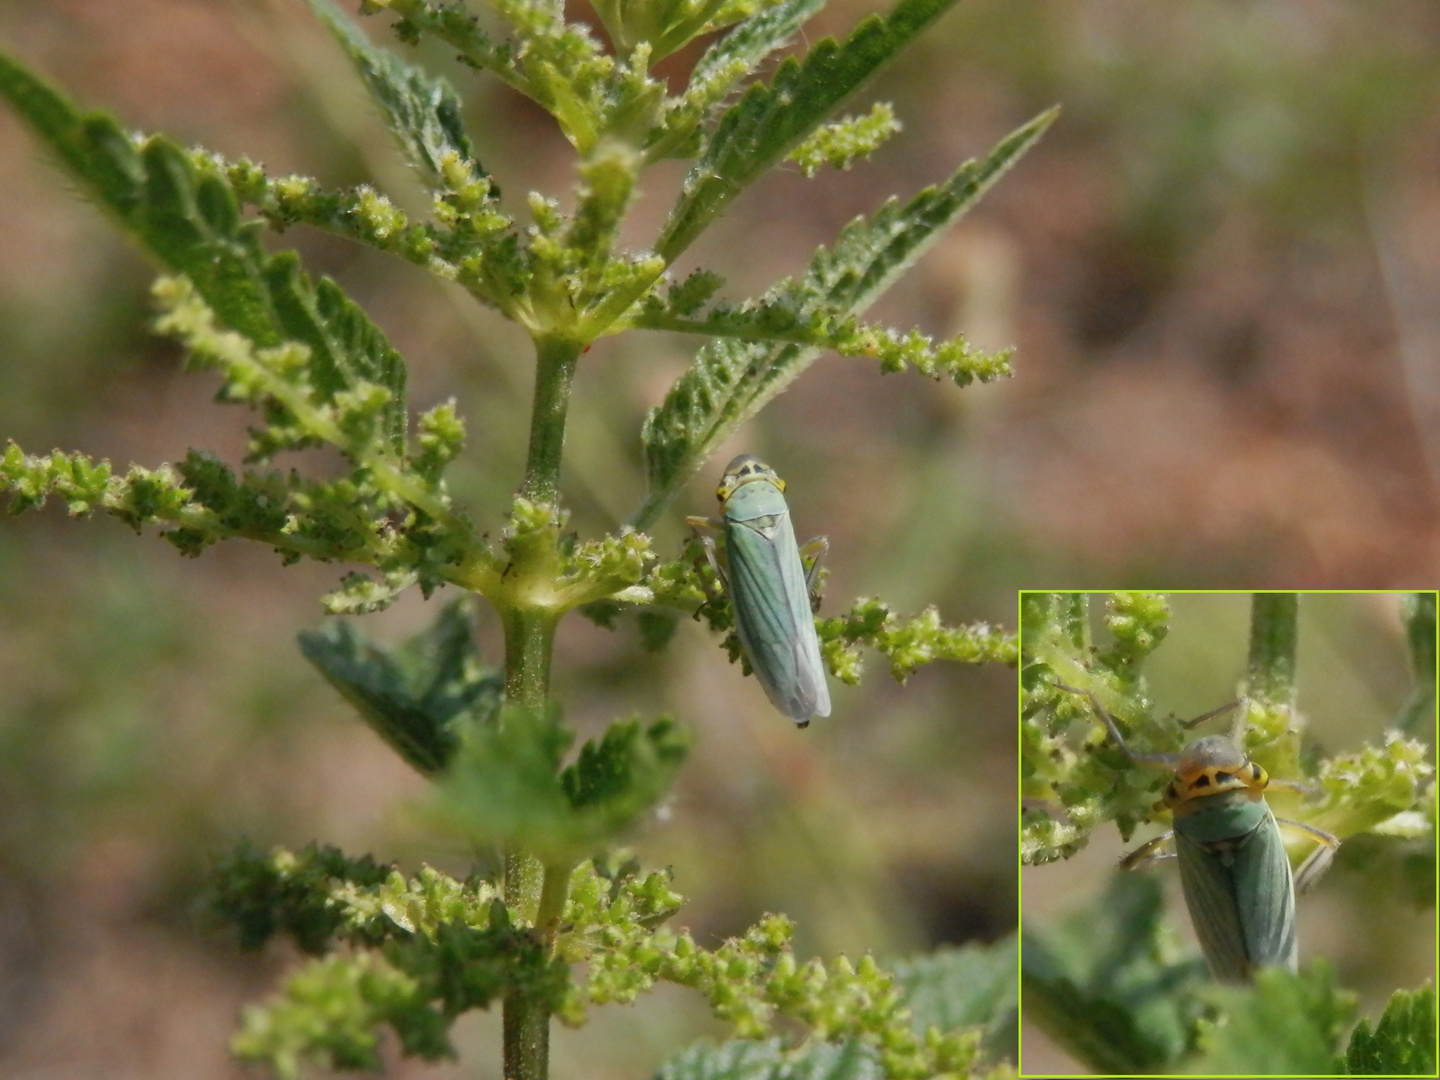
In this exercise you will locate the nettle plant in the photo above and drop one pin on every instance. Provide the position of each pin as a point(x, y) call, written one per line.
point(1110, 983)
point(562, 919)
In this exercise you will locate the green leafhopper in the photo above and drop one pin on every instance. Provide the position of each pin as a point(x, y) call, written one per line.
point(769, 588)
point(1234, 871)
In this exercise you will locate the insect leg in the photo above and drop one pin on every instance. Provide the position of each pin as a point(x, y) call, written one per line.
point(1151, 851)
point(812, 554)
point(707, 544)
point(1319, 860)
point(1197, 721)
point(1296, 785)
point(1159, 761)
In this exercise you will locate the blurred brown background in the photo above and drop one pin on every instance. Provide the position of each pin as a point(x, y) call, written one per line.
point(1218, 268)
point(1352, 677)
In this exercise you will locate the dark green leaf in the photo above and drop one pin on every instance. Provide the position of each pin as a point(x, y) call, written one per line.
point(768, 121)
point(422, 110)
point(416, 696)
point(729, 381)
point(746, 1060)
point(1403, 1042)
point(264, 893)
point(182, 210)
point(627, 772)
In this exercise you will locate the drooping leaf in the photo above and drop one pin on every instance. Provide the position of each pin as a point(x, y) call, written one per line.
point(1101, 985)
point(729, 380)
point(415, 696)
point(182, 209)
point(1402, 1043)
point(744, 1059)
point(769, 120)
point(422, 110)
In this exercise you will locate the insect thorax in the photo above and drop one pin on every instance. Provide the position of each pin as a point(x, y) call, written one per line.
point(743, 470)
point(1208, 768)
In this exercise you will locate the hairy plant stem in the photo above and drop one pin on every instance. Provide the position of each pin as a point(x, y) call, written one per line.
point(554, 370)
point(1274, 628)
point(529, 636)
point(534, 892)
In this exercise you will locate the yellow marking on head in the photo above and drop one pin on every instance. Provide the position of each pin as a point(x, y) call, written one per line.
point(1210, 766)
point(743, 470)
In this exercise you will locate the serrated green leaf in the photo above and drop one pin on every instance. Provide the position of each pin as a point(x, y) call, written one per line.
point(744, 1059)
point(264, 893)
point(729, 381)
point(423, 111)
point(505, 784)
point(745, 47)
point(728, 60)
point(187, 215)
point(973, 986)
point(1284, 1025)
point(416, 696)
point(768, 121)
point(627, 771)
point(1402, 1043)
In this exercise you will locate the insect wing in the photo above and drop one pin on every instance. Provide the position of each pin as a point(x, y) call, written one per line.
point(1241, 900)
point(772, 607)
point(1266, 895)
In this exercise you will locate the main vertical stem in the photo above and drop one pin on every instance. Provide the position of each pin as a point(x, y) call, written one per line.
point(554, 370)
point(529, 638)
point(529, 635)
point(1274, 629)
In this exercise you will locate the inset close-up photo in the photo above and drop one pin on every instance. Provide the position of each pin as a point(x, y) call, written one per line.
point(1228, 833)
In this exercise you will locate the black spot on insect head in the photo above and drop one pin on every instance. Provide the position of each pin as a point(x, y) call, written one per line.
point(1224, 777)
point(1202, 780)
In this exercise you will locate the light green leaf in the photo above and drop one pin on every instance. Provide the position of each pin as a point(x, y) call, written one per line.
point(729, 381)
point(422, 110)
point(744, 1059)
point(505, 785)
point(973, 986)
point(1284, 1025)
point(768, 121)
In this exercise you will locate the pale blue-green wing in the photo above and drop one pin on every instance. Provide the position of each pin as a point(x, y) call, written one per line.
point(1266, 896)
point(772, 614)
point(1242, 901)
point(1209, 887)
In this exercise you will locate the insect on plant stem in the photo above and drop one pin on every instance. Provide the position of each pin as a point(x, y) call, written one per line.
point(1234, 870)
point(769, 587)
